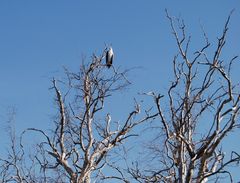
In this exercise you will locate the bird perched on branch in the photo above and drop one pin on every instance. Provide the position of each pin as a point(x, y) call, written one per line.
point(109, 57)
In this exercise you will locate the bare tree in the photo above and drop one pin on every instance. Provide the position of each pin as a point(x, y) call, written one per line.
point(200, 109)
point(203, 108)
point(18, 165)
point(78, 147)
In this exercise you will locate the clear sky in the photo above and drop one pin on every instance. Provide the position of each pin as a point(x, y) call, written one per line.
point(37, 38)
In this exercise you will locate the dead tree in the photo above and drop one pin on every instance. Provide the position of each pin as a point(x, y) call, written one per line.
point(203, 108)
point(78, 147)
point(18, 165)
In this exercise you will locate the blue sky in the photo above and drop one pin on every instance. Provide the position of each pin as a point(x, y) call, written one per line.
point(37, 38)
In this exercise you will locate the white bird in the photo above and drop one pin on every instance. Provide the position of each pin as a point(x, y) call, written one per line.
point(109, 57)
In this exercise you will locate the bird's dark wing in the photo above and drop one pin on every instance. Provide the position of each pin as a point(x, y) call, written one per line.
point(107, 57)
